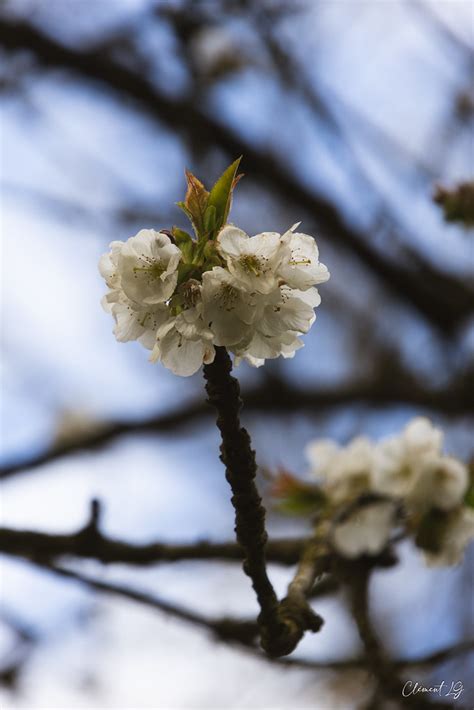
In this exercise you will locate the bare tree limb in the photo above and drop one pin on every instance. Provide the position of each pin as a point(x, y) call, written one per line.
point(43, 550)
point(272, 396)
point(282, 624)
point(234, 631)
point(85, 544)
point(383, 669)
point(243, 632)
point(226, 629)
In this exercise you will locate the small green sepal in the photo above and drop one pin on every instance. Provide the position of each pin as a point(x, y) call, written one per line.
point(297, 497)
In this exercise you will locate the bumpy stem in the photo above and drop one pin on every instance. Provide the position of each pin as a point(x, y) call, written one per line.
point(281, 627)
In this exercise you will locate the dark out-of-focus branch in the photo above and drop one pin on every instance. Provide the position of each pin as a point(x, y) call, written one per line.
point(92, 544)
point(43, 551)
point(442, 299)
point(292, 74)
point(229, 630)
point(382, 668)
point(273, 396)
point(15, 660)
point(226, 629)
point(71, 210)
point(242, 632)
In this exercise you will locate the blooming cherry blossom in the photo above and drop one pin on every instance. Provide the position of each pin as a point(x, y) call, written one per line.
point(400, 459)
point(280, 317)
point(345, 472)
point(183, 343)
point(108, 265)
point(134, 323)
point(228, 307)
point(263, 347)
point(183, 296)
point(289, 310)
point(441, 483)
point(252, 260)
point(147, 264)
point(299, 265)
point(405, 482)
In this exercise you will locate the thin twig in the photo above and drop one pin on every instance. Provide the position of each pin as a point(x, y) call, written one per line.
point(82, 544)
point(313, 563)
point(242, 632)
point(437, 657)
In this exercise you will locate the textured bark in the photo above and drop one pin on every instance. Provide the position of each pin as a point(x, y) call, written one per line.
point(282, 624)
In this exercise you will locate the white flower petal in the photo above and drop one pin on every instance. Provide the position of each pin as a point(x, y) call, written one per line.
point(252, 260)
point(132, 324)
point(301, 268)
point(148, 266)
point(366, 531)
point(182, 356)
point(227, 308)
point(231, 241)
point(320, 454)
point(441, 483)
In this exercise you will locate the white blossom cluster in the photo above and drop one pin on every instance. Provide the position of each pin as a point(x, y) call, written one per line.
point(253, 295)
point(407, 483)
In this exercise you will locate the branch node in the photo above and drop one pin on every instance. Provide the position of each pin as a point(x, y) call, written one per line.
point(90, 537)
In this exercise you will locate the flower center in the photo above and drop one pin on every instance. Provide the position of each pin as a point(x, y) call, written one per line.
point(228, 296)
point(299, 260)
point(251, 264)
point(152, 268)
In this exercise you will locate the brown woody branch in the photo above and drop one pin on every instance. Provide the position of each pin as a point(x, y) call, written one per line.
point(282, 624)
point(93, 544)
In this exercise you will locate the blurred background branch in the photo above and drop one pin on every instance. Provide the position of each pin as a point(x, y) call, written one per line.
point(390, 388)
point(443, 300)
